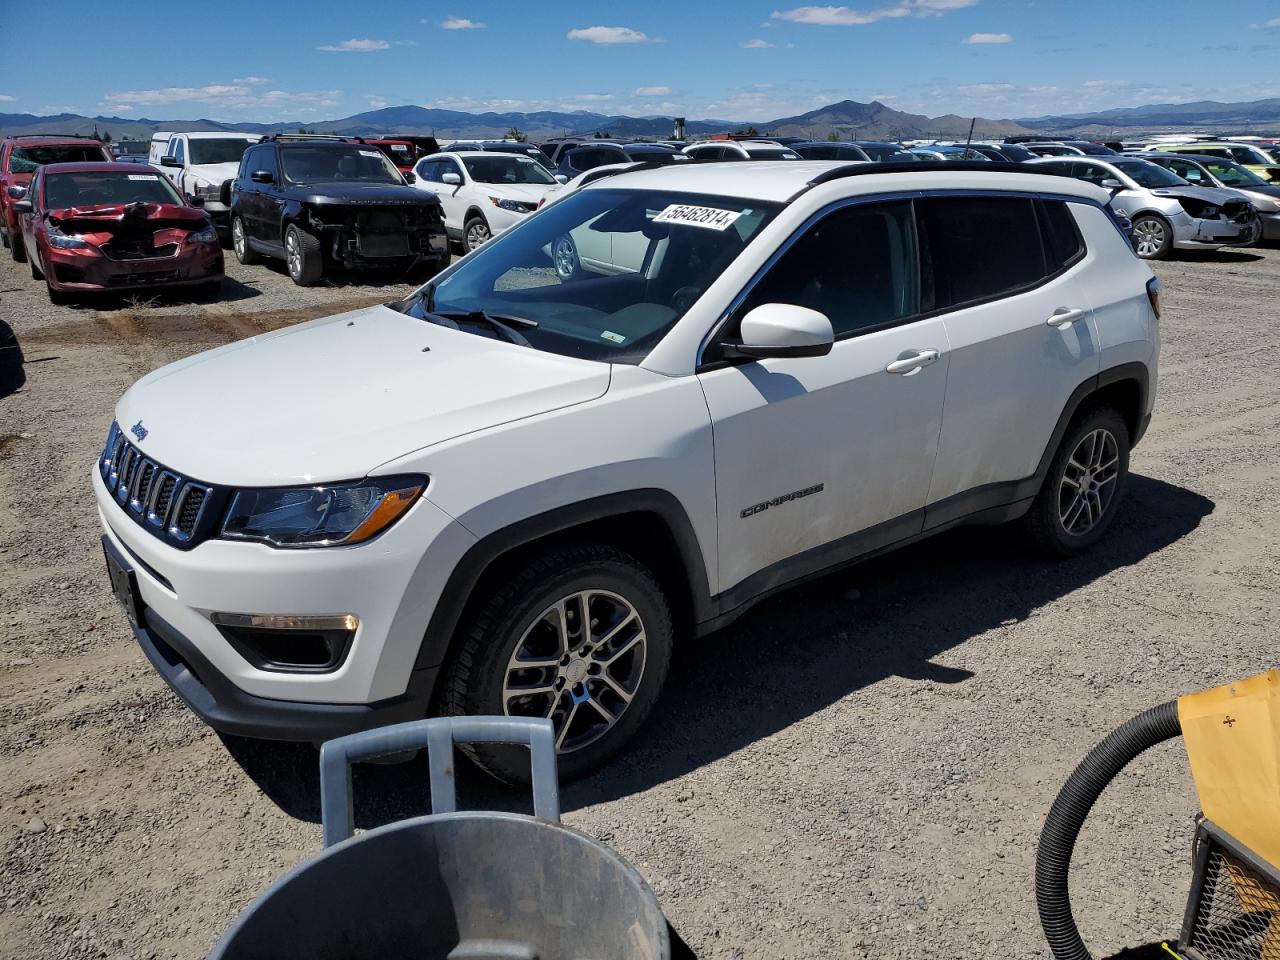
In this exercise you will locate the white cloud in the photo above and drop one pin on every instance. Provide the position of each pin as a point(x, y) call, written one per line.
point(5, 98)
point(377, 102)
point(593, 97)
point(123, 108)
point(640, 92)
point(461, 23)
point(1273, 23)
point(225, 95)
point(755, 44)
point(610, 35)
point(847, 17)
point(252, 81)
point(356, 46)
point(989, 38)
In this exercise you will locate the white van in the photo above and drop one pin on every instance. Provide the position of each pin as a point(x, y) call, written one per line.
point(199, 164)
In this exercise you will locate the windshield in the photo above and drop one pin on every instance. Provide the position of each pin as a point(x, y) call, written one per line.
point(771, 153)
point(26, 159)
point(93, 189)
point(1232, 174)
point(1148, 174)
point(129, 148)
point(601, 275)
point(656, 155)
point(507, 168)
point(200, 150)
point(306, 164)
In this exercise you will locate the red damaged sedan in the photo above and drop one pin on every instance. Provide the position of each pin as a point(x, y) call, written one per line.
point(115, 227)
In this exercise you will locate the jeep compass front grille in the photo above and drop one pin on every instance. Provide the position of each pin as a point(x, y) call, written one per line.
point(166, 504)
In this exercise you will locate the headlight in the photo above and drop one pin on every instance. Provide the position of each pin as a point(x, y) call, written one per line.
point(515, 206)
point(209, 191)
point(327, 516)
point(206, 234)
point(63, 241)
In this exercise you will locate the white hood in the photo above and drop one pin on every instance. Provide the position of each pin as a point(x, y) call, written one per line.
point(334, 398)
point(214, 173)
point(528, 192)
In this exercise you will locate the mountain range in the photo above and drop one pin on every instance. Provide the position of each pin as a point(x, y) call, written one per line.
point(849, 119)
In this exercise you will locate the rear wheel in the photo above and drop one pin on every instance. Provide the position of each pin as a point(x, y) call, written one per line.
point(17, 248)
point(302, 254)
point(475, 233)
point(240, 243)
point(581, 635)
point(1083, 488)
point(1152, 236)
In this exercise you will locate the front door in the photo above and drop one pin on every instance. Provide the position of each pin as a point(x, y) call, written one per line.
point(821, 458)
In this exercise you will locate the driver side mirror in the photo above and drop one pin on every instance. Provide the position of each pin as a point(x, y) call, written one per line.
point(561, 178)
point(16, 192)
point(410, 177)
point(453, 179)
point(262, 176)
point(170, 162)
point(782, 330)
point(1112, 184)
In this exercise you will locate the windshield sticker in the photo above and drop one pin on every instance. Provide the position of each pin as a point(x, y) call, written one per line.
point(615, 337)
point(143, 176)
point(708, 217)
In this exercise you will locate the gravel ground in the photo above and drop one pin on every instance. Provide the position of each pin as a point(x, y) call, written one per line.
point(859, 768)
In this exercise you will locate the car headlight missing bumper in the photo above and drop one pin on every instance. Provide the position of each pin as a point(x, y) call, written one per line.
point(62, 241)
point(208, 191)
point(334, 515)
point(206, 234)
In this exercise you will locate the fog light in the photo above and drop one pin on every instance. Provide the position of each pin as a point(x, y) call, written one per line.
point(287, 643)
point(281, 621)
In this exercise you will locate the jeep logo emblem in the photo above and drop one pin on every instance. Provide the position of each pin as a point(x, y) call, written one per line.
point(139, 431)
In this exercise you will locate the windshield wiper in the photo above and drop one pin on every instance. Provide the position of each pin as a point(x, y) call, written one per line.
point(495, 323)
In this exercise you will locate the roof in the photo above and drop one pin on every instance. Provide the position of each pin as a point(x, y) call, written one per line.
point(469, 154)
point(206, 134)
point(50, 140)
point(782, 180)
point(100, 166)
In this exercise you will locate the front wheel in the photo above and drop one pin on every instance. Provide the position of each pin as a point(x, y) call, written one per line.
point(581, 635)
point(1083, 488)
point(475, 233)
point(302, 254)
point(1152, 237)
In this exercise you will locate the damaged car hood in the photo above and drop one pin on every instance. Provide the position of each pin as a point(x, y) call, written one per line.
point(108, 216)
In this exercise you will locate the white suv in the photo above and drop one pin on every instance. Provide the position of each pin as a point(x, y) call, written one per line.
point(513, 491)
point(483, 192)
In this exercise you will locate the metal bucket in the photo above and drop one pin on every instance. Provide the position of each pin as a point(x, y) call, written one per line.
point(452, 886)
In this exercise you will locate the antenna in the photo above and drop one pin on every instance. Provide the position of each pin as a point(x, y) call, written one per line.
point(970, 139)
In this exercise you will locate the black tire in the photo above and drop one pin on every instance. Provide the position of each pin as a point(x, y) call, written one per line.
point(240, 244)
point(58, 297)
point(1052, 525)
point(4, 236)
point(475, 228)
point(306, 265)
point(36, 272)
point(1160, 232)
point(496, 626)
point(17, 248)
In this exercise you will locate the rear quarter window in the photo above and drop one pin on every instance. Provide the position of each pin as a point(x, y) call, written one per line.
point(981, 248)
point(1063, 244)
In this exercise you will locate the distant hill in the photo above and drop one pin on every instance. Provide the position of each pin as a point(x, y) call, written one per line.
point(848, 118)
point(1203, 114)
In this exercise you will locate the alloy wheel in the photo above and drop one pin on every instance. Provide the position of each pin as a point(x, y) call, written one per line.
point(1088, 482)
point(566, 258)
point(477, 235)
point(293, 254)
point(237, 237)
point(1148, 237)
point(580, 663)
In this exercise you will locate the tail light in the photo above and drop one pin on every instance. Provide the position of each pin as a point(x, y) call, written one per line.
point(1153, 294)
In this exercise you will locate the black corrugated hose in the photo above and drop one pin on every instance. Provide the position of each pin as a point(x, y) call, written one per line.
point(1067, 816)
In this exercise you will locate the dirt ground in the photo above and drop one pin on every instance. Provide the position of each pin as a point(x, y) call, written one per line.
point(858, 768)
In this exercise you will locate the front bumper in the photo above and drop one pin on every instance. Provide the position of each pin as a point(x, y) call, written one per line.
point(1191, 233)
point(91, 271)
point(392, 584)
point(1270, 225)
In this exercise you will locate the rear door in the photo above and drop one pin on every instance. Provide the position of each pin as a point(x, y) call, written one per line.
point(820, 458)
point(1022, 336)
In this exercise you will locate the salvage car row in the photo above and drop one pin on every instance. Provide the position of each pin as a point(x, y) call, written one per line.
point(87, 222)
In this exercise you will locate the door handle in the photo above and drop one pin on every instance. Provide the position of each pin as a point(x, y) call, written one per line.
point(913, 363)
point(1064, 317)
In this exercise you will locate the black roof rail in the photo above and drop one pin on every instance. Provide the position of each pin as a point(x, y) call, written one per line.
point(310, 136)
point(51, 136)
point(862, 169)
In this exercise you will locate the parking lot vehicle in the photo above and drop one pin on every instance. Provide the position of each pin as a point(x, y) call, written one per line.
point(1012, 152)
point(483, 194)
point(115, 227)
point(319, 202)
point(19, 157)
point(1205, 171)
point(591, 155)
point(1247, 155)
point(199, 163)
point(499, 146)
point(950, 152)
point(510, 501)
point(881, 152)
point(829, 150)
point(555, 147)
point(1052, 149)
point(740, 150)
point(1167, 212)
point(402, 153)
point(131, 151)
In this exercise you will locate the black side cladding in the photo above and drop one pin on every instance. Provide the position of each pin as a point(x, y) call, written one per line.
point(1082, 789)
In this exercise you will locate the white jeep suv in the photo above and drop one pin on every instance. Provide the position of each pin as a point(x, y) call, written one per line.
point(483, 192)
point(511, 492)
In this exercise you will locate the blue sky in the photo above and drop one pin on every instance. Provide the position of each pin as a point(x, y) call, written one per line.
point(730, 59)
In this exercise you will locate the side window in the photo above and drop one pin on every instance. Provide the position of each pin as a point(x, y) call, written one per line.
point(981, 247)
point(428, 170)
point(179, 150)
point(248, 163)
point(857, 266)
point(452, 166)
point(1063, 244)
point(1091, 173)
point(267, 161)
point(36, 189)
point(1215, 152)
point(1188, 171)
point(1243, 155)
